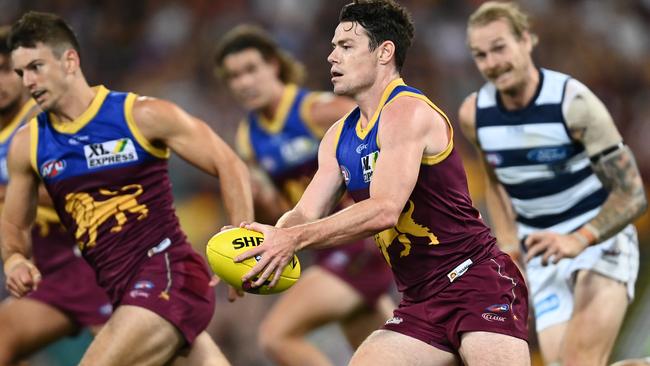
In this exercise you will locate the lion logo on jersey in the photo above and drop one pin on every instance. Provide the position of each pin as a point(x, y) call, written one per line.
point(405, 225)
point(89, 214)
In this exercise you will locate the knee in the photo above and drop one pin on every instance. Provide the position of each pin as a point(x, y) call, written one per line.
point(584, 357)
point(270, 337)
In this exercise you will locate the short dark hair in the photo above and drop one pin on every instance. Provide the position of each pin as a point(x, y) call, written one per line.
point(383, 20)
point(50, 29)
point(247, 36)
point(4, 36)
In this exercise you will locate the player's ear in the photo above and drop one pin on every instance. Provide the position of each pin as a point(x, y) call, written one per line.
point(71, 60)
point(386, 52)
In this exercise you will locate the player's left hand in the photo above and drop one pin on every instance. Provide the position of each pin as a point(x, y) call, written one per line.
point(273, 254)
point(553, 246)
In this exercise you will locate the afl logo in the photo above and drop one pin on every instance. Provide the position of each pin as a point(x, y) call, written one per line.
point(52, 168)
point(346, 174)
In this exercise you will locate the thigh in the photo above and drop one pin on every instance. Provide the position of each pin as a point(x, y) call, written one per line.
point(551, 340)
point(361, 323)
point(388, 348)
point(492, 349)
point(134, 336)
point(28, 325)
point(203, 352)
point(600, 305)
point(317, 299)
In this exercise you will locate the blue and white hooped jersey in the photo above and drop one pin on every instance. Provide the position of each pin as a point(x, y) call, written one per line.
point(546, 173)
point(8, 133)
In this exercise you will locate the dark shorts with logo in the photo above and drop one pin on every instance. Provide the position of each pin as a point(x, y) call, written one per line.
point(360, 265)
point(174, 285)
point(490, 297)
point(72, 289)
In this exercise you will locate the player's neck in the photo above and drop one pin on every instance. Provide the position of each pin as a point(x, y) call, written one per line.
point(368, 99)
point(521, 96)
point(10, 112)
point(75, 102)
point(277, 92)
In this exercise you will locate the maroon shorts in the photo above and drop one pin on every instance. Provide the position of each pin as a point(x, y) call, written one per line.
point(72, 289)
point(361, 265)
point(490, 297)
point(174, 285)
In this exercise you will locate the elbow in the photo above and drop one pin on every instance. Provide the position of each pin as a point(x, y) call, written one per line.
point(387, 215)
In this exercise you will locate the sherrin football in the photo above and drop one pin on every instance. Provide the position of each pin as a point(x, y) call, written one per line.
point(228, 244)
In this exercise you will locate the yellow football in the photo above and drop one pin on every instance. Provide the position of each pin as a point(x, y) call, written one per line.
point(228, 244)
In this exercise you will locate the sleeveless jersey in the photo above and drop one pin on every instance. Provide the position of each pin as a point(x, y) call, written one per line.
point(439, 233)
point(287, 147)
point(109, 185)
point(546, 173)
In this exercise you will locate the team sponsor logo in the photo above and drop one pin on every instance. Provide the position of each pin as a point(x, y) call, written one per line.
point(459, 270)
point(346, 174)
point(394, 320)
point(164, 244)
point(110, 153)
point(547, 154)
point(361, 147)
point(494, 159)
point(143, 285)
point(138, 293)
point(498, 308)
point(78, 139)
point(89, 213)
point(298, 149)
point(368, 165)
point(52, 168)
point(247, 241)
point(493, 317)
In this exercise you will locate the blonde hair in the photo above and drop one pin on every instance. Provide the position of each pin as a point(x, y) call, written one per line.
point(492, 11)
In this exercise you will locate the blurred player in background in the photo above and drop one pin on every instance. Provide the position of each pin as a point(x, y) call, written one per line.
point(561, 181)
point(280, 137)
point(463, 299)
point(103, 158)
point(67, 297)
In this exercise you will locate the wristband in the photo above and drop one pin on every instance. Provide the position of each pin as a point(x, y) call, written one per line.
point(587, 234)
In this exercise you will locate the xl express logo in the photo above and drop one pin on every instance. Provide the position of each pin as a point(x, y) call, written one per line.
point(110, 153)
point(368, 165)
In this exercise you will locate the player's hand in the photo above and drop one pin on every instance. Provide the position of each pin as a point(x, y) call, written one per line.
point(234, 294)
point(552, 246)
point(272, 255)
point(22, 277)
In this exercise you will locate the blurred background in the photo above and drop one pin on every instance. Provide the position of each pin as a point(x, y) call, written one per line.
point(164, 48)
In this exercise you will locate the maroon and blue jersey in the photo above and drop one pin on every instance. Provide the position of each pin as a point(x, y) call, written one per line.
point(286, 148)
point(109, 185)
point(439, 234)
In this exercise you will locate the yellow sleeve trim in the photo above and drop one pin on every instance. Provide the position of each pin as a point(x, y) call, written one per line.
point(339, 130)
point(243, 141)
point(306, 115)
point(439, 157)
point(33, 144)
point(363, 132)
point(17, 120)
point(128, 113)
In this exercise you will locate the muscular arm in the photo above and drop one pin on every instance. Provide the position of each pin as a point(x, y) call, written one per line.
point(166, 124)
point(502, 216)
point(590, 123)
point(18, 215)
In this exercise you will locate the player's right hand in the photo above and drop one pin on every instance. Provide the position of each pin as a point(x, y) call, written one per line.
point(22, 277)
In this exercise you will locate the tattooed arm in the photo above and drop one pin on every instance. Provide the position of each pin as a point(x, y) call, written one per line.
point(590, 123)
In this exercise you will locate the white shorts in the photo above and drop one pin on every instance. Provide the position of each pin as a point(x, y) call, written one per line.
point(551, 286)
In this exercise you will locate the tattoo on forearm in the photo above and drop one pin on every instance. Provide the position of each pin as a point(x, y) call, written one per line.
point(619, 174)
